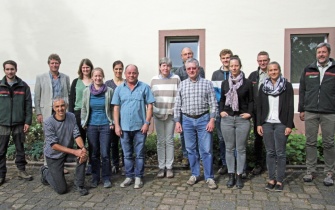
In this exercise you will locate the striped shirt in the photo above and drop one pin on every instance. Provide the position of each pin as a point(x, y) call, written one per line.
point(165, 92)
point(195, 98)
point(59, 132)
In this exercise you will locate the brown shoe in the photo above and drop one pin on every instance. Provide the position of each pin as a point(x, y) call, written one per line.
point(24, 175)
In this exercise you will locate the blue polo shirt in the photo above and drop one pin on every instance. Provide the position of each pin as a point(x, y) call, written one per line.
point(132, 104)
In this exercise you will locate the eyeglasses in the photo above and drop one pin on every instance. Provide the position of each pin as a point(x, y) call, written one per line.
point(262, 61)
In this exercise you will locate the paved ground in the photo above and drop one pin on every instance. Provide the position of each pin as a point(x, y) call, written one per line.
point(167, 194)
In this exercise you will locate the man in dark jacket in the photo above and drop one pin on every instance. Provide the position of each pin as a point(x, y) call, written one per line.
point(317, 108)
point(257, 77)
point(15, 118)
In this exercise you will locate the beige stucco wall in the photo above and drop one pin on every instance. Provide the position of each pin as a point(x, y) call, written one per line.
point(105, 30)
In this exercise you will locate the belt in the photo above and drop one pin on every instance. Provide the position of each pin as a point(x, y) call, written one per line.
point(196, 116)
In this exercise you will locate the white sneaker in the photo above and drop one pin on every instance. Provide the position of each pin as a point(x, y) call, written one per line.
point(211, 184)
point(126, 182)
point(138, 183)
point(192, 180)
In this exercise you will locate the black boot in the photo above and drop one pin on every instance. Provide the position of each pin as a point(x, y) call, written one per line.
point(239, 182)
point(231, 181)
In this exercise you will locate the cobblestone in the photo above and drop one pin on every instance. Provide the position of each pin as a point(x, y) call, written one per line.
point(167, 194)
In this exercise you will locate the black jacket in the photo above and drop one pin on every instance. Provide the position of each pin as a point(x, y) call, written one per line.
point(15, 103)
point(286, 106)
point(254, 78)
point(72, 97)
point(314, 97)
point(245, 98)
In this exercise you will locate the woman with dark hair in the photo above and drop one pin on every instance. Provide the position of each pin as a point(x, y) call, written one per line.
point(275, 112)
point(236, 106)
point(76, 96)
point(113, 83)
point(96, 117)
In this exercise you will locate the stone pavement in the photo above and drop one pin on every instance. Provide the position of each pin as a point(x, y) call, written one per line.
point(167, 194)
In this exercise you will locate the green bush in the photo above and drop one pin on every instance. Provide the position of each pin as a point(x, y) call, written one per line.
point(295, 149)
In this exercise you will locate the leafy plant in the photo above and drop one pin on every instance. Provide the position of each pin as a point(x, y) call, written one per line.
point(35, 150)
point(295, 149)
point(11, 151)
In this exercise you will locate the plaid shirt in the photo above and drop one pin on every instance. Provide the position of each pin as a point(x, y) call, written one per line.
point(195, 98)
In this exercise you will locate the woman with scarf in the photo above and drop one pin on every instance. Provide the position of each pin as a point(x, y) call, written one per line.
point(96, 117)
point(236, 107)
point(275, 112)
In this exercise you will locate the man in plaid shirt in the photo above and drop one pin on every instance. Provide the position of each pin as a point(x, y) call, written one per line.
point(197, 105)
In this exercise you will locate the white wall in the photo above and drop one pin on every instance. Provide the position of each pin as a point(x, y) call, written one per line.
point(106, 30)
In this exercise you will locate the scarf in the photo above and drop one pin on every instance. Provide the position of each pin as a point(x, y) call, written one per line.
point(231, 95)
point(277, 88)
point(95, 92)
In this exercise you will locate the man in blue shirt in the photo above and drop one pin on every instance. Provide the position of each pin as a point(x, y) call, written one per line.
point(133, 104)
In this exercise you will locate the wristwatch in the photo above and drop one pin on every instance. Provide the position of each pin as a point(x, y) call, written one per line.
point(146, 122)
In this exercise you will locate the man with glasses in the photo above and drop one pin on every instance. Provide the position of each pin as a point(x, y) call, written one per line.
point(197, 119)
point(186, 53)
point(257, 78)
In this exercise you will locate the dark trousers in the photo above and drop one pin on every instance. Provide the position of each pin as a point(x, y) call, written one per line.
point(258, 144)
point(115, 149)
point(83, 133)
point(54, 174)
point(18, 139)
point(275, 144)
point(99, 141)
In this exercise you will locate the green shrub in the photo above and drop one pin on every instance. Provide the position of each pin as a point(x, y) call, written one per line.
point(11, 151)
point(35, 150)
point(295, 149)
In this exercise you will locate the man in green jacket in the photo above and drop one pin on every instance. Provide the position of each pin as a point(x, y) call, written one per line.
point(15, 118)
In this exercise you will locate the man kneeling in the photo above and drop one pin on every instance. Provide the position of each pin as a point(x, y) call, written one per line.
point(58, 131)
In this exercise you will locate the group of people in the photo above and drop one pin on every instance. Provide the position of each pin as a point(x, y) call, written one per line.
point(182, 101)
point(99, 111)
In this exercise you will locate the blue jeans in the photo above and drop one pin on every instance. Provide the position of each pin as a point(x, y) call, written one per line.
point(133, 141)
point(235, 131)
point(204, 143)
point(222, 145)
point(275, 145)
point(99, 141)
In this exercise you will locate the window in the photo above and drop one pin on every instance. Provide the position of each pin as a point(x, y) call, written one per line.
point(300, 47)
point(303, 52)
point(174, 45)
point(171, 42)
